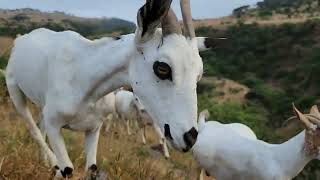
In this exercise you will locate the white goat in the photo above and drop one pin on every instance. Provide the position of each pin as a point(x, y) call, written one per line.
point(65, 74)
point(241, 129)
point(126, 108)
point(106, 107)
point(227, 155)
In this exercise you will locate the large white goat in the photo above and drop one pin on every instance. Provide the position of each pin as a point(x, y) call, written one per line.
point(65, 74)
point(227, 155)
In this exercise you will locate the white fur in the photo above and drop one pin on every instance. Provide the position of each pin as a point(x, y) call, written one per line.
point(230, 152)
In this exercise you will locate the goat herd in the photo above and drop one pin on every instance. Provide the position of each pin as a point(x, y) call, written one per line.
point(73, 79)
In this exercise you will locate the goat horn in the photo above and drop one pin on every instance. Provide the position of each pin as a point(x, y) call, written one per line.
point(187, 19)
point(170, 24)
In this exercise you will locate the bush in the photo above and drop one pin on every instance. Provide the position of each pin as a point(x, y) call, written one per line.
point(231, 112)
point(3, 88)
point(264, 14)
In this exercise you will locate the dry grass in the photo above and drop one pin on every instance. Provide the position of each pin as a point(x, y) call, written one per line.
point(225, 90)
point(276, 19)
point(119, 155)
point(5, 45)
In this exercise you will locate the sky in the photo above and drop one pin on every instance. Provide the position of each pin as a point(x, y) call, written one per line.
point(125, 9)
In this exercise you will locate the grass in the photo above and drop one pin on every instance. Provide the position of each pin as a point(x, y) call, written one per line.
point(120, 156)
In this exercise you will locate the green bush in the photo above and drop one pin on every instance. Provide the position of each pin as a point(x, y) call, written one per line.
point(3, 88)
point(3, 62)
point(264, 14)
point(231, 112)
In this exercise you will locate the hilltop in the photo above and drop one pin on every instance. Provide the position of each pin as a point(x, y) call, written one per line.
point(21, 21)
point(267, 12)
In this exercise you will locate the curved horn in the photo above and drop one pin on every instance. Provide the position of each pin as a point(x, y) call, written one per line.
point(170, 24)
point(187, 19)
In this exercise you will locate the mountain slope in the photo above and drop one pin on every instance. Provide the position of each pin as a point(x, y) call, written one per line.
point(21, 21)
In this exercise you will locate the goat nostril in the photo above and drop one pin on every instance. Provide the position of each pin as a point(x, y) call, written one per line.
point(194, 133)
point(190, 138)
point(167, 132)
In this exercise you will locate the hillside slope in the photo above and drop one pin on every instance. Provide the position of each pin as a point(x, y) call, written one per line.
point(20, 21)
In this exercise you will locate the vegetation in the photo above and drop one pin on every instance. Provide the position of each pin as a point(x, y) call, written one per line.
point(14, 22)
point(285, 3)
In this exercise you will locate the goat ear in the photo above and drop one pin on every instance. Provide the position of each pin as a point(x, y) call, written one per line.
point(149, 18)
point(303, 118)
point(206, 43)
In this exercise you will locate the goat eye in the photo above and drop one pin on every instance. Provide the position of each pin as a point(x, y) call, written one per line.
point(162, 70)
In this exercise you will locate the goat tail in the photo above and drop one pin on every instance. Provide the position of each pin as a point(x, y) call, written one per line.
point(202, 119)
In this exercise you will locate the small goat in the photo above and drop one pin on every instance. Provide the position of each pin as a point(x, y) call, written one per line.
point(106, 107)
point(126, 108)
point(225, 154)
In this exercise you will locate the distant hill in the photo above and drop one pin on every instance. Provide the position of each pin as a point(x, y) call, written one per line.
point(268, 12)
point(287, 3)
point(21, 21)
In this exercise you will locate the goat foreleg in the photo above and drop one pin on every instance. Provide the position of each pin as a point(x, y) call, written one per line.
point(91, 146)
point(65, 166)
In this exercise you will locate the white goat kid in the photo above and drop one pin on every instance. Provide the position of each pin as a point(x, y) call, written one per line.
point(64, 74)
point(106, 107)
point(126, 108)
point(226, 155)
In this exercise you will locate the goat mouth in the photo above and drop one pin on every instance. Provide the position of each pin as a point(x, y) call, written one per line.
point(185, 150)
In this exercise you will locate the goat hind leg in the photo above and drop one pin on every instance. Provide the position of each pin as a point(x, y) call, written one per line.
point(108, 123)
point(143, 134)
point(20, 102)
point(41, 125)
point(128, 126)
point(165, 148)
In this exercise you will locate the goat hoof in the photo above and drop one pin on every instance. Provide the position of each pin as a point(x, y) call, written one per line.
point(67, 172)
point(92, 173)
